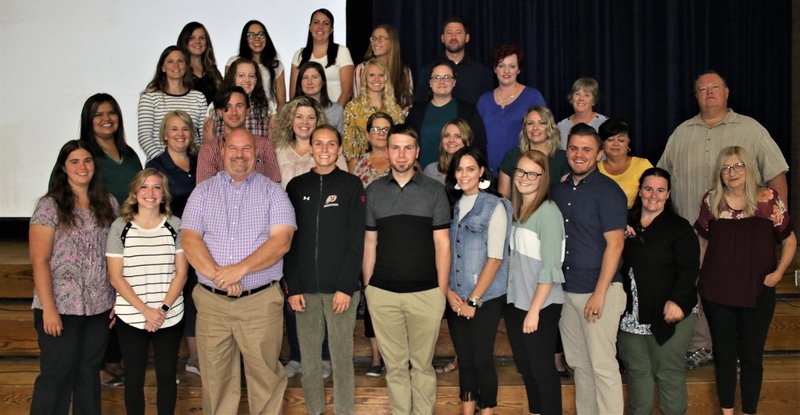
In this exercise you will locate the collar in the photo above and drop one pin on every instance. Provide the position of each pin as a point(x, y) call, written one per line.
point(588, 179)
point(467, 59)
point(416, 178)
point(731, 118)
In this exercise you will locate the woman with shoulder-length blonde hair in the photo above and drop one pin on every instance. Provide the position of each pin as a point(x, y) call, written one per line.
point(738, 226)
point(535, 294)
point(378, 95)
point(539, 132)
point(148, 269)
point(455, 135)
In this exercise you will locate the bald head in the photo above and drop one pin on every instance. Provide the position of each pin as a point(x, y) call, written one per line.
point(238, 154)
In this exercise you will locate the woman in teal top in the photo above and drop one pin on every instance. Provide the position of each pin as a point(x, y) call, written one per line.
point(103, 130)
point(539, 132)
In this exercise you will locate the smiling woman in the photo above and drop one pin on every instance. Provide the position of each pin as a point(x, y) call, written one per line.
point(170, 89)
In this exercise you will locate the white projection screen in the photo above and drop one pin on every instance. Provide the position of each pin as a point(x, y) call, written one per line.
point(54, 54)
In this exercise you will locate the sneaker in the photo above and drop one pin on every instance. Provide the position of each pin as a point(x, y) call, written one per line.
point(193, 365)
point(326, 369)
point(112, 382)
point(293, 368)
point(698, 357)
point(375, 371)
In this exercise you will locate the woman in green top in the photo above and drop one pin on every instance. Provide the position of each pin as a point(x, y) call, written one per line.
point(539, 132)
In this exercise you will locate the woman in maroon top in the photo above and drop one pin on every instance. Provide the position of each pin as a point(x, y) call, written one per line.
point(739, 224)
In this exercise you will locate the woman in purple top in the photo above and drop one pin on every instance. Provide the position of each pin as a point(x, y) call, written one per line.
point(72, 297)
point(739, 224)
point(503, 108)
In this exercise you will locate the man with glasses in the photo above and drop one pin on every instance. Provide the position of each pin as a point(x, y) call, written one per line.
point(594, 208)
point(690, 154)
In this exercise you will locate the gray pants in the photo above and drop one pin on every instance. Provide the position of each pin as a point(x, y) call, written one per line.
point(311, 325)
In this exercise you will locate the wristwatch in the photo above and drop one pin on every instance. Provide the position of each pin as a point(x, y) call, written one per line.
point(475, 302)
point(165, 307)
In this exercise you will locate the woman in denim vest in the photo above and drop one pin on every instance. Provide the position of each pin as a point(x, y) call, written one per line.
point(478, 276)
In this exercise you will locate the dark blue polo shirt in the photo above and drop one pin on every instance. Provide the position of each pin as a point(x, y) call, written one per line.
point(181, 183)
point(590, 208)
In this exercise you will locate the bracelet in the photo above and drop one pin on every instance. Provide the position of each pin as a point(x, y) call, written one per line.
point(475, 301)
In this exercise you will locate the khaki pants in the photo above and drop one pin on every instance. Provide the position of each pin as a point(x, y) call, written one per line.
point(252, 326)
point(407, 327)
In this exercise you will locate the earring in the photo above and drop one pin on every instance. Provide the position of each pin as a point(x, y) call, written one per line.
point(629, 149)
point(484, 184)
point(457, 187)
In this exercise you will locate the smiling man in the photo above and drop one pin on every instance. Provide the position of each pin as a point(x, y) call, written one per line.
point(233, 106)
point(406, 269)
point(236, 228)
point(595, 214)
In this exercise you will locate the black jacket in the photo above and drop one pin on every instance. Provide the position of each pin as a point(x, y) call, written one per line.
point(665, 258)
point(328, 246)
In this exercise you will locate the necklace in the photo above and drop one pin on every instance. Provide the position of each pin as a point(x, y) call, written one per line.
point(501, 101)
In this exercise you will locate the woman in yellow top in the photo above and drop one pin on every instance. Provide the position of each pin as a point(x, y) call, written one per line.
point(377, 95)
point(619, 165)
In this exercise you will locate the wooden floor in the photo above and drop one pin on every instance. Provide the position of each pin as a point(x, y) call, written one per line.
point(19, 366)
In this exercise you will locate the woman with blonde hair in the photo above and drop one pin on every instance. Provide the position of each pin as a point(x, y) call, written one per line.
point(378, 95)
point(539, 132)
point(147, 267)
point(583, 98)
point(454, 136)
point(739, 224)
point(384, 45)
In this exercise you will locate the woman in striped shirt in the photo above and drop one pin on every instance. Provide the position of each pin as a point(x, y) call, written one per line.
point(170, 90)
point(147, 267)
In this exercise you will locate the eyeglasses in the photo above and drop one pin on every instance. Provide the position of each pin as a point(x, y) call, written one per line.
point(530, 175)
point(378, 39)
point(738, 167)
point(443, 78)
point(379, 130)
point(254, 35)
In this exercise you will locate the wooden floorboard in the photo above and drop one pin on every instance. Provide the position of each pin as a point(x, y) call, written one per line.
point(780, 393)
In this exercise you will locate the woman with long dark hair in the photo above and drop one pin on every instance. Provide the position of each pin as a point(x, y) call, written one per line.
point(72, 298)
point(196, 44)
point(478, 277)
point(256, 44)
point(335, 58)
point(313, 82)
point(169, 90)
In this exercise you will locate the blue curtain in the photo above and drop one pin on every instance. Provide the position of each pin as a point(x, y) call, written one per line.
point(645, 54)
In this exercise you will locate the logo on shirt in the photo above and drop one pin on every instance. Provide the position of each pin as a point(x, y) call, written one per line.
point(306, 197)
point(330, 201)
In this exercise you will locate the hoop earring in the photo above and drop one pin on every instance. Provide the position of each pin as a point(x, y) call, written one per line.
point(457, 187)
point(484, 184)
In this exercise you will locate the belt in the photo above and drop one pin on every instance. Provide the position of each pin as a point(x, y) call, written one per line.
point(244, 293)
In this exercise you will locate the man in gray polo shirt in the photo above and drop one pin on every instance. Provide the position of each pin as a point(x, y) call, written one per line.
point(406, 266)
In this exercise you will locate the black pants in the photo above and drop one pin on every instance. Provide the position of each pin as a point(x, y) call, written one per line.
point(473, 340)
point(135, 345)
point(533, 356)
point(70, 365)
point(739, 332)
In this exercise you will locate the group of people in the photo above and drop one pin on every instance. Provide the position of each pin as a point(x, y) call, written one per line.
point(468, 202)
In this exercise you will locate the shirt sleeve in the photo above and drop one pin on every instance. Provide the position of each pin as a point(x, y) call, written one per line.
point(45, 213)
point(175, 222)
point(613, 209)
point(498, 226)
point(441, 209)
point(114, 244)
point(704, 217)
point(208, 161)
point(281, 211)
point(551, 236)
point(343, 57)
point(193, 213)
point(146, 114)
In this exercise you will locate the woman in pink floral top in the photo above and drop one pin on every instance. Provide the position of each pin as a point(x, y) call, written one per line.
point(72, 298)
point(739, 224)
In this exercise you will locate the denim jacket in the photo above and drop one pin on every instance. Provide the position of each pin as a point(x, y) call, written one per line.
point(469, 245)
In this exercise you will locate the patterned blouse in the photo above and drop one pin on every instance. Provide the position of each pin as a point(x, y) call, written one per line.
point(354, 125)
point(365, 171)
point(77, 264)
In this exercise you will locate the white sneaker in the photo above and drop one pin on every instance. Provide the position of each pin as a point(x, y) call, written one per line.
point(193, 366)
point(326, 369)
point(293, 368)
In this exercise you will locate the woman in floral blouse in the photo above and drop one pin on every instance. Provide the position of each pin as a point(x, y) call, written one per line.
point(72, 298)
